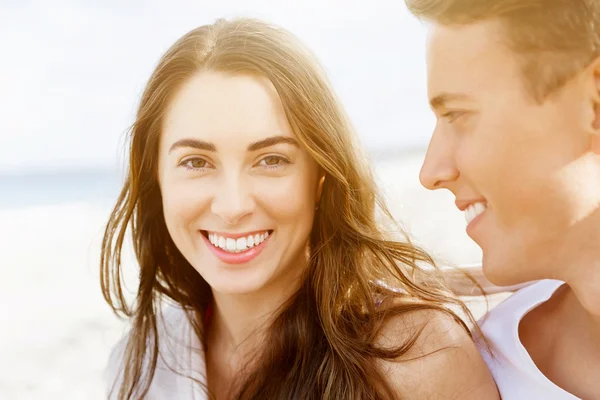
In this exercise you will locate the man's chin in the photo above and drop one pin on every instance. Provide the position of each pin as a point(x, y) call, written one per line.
point(501, 272)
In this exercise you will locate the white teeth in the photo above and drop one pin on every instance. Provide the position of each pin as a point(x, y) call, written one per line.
point(240, 244)
point(231, 244)
point(237, 245)
point(473, 211)
point(479, 208)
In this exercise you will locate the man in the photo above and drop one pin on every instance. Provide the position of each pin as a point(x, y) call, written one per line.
point(515, 87)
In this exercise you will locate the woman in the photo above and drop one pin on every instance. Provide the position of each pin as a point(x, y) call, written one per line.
point(253, 213)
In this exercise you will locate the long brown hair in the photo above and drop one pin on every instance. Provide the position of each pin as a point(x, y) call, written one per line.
point(322, 343)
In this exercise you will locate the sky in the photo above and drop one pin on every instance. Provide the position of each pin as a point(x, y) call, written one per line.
point(72, 72)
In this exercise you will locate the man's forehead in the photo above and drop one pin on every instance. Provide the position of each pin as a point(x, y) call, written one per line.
point(463, 60)
point(466, 44)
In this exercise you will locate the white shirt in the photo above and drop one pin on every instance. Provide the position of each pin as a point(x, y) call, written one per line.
point(515, 373)
point(180, 357)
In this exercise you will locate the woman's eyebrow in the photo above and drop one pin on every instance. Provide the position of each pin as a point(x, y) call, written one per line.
point(272, 141)
point(193, 143)
point(261, 144)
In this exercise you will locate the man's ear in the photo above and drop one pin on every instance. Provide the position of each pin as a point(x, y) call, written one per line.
point(320, 188)
point(595, 143)
point(595, 96)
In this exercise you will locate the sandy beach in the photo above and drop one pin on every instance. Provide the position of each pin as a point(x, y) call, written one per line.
point(56, 329)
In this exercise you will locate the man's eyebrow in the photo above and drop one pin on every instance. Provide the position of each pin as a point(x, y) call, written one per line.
point(193, 143)
point(272, 141)
point(441, 99)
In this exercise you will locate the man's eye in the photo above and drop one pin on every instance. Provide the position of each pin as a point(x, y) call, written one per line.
point(451, 116)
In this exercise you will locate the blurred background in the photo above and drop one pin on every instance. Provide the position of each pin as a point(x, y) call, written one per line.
point(71, 74)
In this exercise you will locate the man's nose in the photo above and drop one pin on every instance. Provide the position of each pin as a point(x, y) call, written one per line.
point(439, 169)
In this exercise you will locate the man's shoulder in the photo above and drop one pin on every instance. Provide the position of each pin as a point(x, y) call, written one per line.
point(507, 356)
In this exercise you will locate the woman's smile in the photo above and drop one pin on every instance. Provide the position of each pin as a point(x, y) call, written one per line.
point(237, 248)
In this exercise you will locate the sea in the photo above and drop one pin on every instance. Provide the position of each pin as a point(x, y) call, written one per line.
point(56, 330)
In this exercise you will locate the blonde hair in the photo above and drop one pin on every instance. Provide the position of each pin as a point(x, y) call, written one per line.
point(322, 342)
point(554, 39)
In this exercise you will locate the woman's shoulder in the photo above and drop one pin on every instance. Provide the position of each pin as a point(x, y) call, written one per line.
point(442, 361)
point(432, 329)
point(172, 321)
point(175, 340)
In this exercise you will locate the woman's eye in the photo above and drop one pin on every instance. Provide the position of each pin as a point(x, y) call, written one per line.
point(195, 163)
point(273, 161)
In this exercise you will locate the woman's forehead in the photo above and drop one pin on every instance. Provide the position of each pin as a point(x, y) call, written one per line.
point(225, 108)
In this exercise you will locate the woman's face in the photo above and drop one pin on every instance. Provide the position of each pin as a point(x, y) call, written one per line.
point(238, 191)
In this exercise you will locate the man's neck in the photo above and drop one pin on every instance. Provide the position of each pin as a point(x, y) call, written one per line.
point(580, 268)
point(585, 300)
point(569, 322)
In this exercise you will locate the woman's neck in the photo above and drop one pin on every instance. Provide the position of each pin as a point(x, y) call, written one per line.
point(239, 322)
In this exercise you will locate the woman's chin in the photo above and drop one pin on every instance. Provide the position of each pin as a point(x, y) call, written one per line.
point(239, 286)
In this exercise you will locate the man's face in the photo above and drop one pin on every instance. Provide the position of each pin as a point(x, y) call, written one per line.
point(521, 170)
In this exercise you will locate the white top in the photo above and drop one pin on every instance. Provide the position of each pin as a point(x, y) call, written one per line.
point(515, 373)
point(177, 362)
